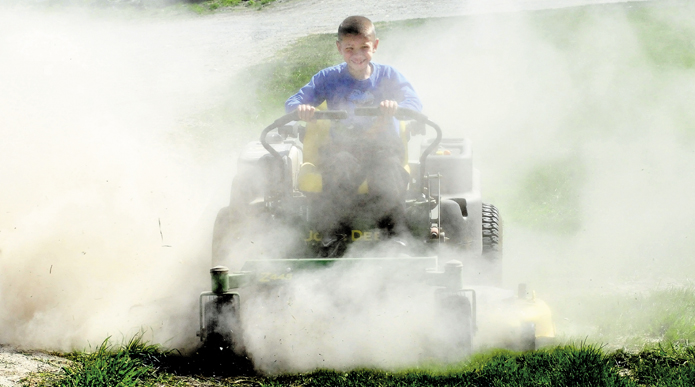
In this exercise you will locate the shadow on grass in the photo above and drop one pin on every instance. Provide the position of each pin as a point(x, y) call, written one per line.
point(212, 362)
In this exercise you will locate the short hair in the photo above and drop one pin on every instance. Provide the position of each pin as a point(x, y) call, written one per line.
point(357, 25)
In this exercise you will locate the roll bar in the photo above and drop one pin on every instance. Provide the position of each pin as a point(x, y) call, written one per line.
point(402, 114)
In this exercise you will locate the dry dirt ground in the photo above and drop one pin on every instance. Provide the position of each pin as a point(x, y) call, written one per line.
point(256, 36)
point(15, 365)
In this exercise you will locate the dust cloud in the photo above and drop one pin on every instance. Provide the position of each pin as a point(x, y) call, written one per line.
point(584, 140)
point(343, 317)
point(110, 186)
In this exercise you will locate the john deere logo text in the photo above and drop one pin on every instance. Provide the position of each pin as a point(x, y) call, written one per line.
point(357, 235)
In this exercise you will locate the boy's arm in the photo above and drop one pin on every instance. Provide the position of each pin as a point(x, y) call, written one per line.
point(407, 97)
point(307, 95)
point(403, 92)
point(399, 93)
point(410, 98)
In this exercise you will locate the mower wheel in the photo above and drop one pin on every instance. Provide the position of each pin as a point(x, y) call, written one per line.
point(457, 326)
point(222, 325)
point(527, 341)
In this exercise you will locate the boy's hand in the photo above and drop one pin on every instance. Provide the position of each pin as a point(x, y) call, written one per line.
point(306, 112)
point(388, 107)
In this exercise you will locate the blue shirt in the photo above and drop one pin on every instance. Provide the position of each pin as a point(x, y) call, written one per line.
point(341, 91)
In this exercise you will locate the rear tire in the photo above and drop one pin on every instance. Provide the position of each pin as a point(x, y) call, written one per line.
point(492, 244)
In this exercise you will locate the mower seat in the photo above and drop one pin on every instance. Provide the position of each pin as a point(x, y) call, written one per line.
point(317, 134)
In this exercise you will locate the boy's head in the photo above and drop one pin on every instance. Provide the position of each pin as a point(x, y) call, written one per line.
point(357, 43)
point(357, 26)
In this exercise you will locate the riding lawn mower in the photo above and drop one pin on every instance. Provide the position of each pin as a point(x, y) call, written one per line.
point(266, 238)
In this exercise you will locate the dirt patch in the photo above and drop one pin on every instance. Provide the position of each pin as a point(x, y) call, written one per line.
point(16, 366)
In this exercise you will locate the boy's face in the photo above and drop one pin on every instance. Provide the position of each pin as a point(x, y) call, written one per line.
point(357, 52)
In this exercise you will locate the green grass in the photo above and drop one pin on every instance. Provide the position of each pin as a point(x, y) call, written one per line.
point(141, 364)
point(666, 44)
point(548, 196)
point(560, 366)
point(665, 315)
point(639, 340)
point(133, 363)
point(662, 365)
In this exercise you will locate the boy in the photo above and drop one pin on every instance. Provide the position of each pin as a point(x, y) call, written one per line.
point(360, 147)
